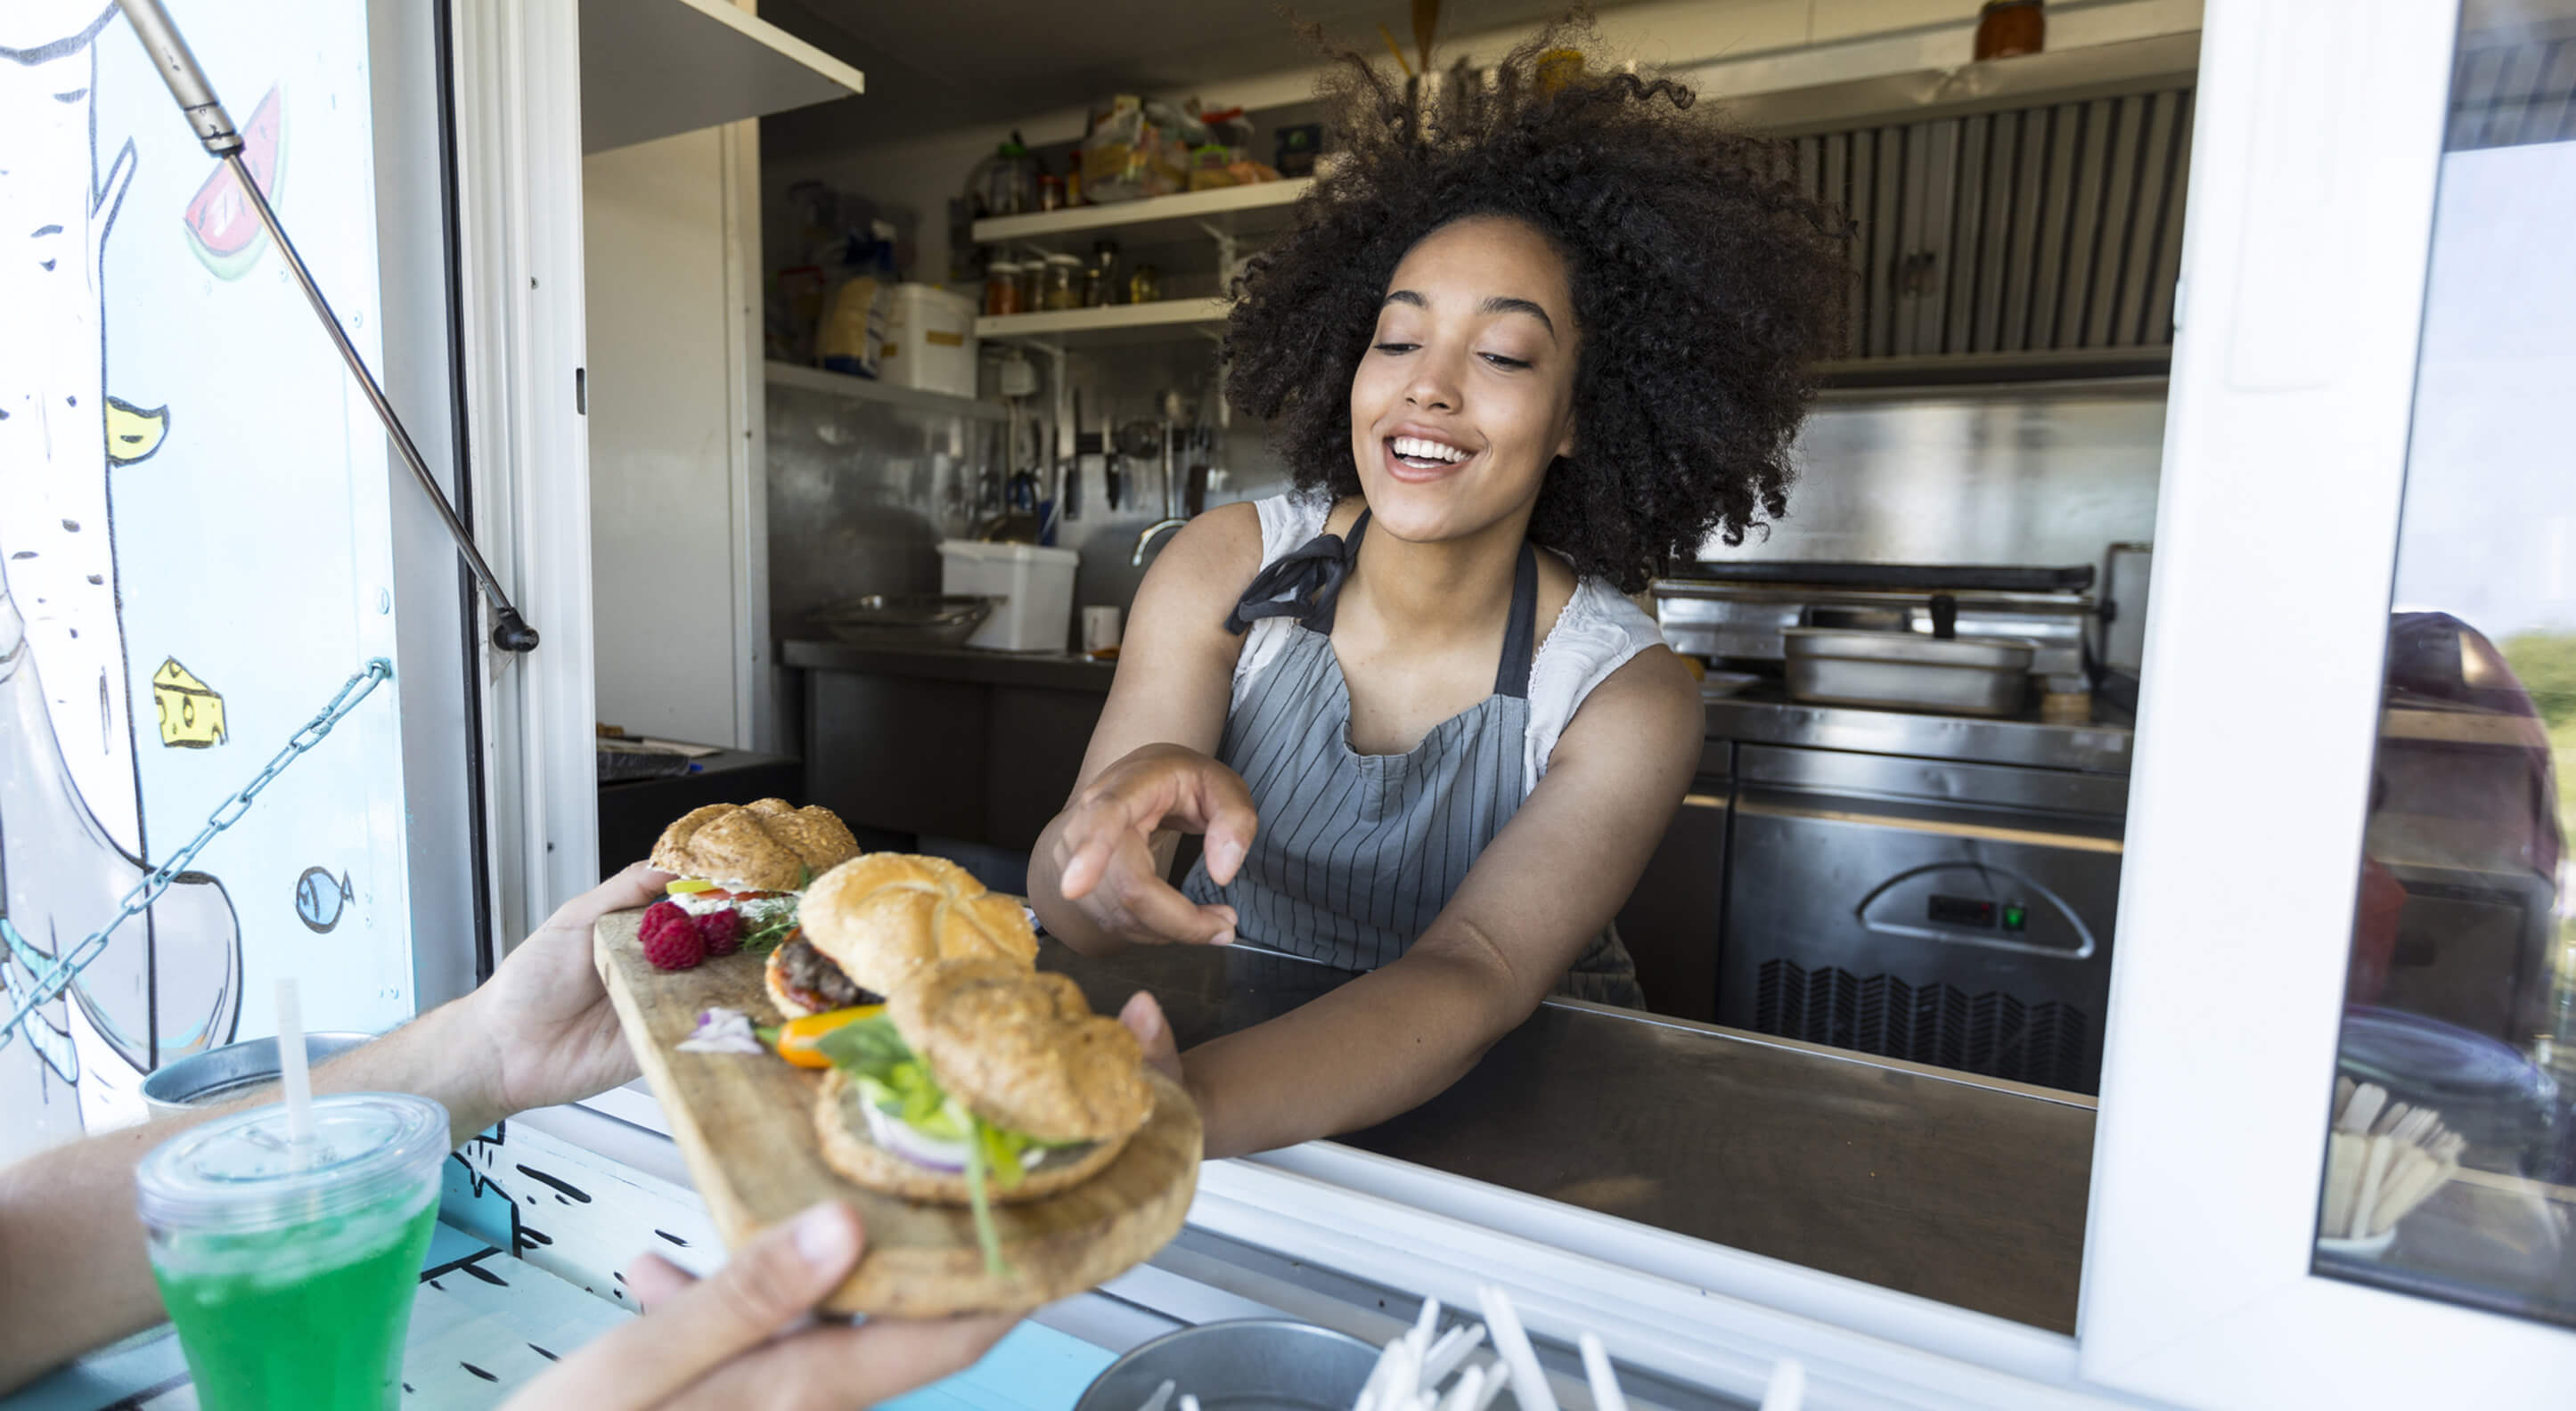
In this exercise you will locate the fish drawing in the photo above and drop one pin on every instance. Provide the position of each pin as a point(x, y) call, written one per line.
point(321, 900)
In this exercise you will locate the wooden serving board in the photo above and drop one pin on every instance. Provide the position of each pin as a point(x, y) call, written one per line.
point(745, 1124)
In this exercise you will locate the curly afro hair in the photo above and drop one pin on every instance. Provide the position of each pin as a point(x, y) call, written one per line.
point(1704, 285)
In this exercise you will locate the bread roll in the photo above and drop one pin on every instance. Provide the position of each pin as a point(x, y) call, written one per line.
point(885, 917)
point(766, 846)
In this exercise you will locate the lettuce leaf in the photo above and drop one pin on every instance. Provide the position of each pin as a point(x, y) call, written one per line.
point(872, 1051)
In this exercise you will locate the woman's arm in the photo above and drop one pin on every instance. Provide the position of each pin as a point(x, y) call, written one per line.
point(1097, 874)
point(1540, 892)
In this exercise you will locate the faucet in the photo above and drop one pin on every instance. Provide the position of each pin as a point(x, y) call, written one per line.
point(1146, 540)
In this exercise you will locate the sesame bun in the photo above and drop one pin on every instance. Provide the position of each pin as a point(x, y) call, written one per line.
point(850, 1150)
point(885, 917)
point(760, 847)
point(1023, 1051)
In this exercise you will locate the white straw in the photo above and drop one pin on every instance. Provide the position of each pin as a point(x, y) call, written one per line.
point(1788, 1388)
point(290, 1065)
point(1452, 1349)
point(1529, 1384)
point(1596, 1372)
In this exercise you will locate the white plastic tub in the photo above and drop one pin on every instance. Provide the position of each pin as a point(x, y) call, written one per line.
point(1034, 584)
point(930, 341)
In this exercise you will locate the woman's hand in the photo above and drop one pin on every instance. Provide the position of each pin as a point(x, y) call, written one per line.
point(734, 1338)
point(1107, 866)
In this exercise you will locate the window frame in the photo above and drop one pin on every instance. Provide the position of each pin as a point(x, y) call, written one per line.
point(2305, 255)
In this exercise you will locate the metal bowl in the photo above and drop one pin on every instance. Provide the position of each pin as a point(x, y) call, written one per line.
point(232, 1071)
point(1254, 1364)
point(886, 619)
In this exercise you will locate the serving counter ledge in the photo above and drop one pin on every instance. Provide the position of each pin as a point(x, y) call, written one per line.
point(1948, 1186)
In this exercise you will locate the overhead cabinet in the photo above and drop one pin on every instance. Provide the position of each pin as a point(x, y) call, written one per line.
point(657, 68)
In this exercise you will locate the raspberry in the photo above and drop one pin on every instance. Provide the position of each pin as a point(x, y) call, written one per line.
point(722, 930)
point(671, 937)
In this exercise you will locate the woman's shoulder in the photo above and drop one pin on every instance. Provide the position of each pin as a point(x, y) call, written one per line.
point(1597, 638)
point(1602, 627)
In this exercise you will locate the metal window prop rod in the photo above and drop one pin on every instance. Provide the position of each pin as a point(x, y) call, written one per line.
point(214, 127)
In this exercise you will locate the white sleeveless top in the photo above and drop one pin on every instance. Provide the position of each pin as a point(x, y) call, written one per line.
point(1596, 635)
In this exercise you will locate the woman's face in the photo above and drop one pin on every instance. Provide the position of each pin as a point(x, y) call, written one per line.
point(1466, 393)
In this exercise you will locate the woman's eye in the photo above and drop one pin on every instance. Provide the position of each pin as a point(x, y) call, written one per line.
point(1392, 346)
point(1508, 364)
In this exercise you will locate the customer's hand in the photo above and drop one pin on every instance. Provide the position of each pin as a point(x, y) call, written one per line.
point(548, 1033)
point(1104, 845)
point(726, 1340)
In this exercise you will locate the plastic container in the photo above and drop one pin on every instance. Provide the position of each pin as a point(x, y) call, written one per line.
point(1247, 1363)
point(1034, 584)
point(930, 340)
point(290, 1271)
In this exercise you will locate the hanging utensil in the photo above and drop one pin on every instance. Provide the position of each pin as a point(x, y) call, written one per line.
point(1426, 18)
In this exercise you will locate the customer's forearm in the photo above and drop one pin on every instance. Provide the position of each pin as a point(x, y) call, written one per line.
point(73, 1271)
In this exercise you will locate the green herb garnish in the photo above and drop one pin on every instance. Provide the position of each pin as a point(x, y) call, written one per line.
point(767, 922)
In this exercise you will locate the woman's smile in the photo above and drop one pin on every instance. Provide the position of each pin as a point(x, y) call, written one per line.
point(1419, 456)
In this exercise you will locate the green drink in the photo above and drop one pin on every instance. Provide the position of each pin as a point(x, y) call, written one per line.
point(289, 1269)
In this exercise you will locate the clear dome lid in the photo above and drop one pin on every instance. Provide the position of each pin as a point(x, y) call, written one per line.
point(242, 1173)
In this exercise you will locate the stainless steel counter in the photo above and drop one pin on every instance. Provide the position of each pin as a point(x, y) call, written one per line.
point(1751, 719)
point(1770, 720)
point(1955, 1188)
point(1063, 671)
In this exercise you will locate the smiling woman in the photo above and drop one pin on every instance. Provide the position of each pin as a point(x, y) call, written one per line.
point(1525, 343)
point(1699, 284)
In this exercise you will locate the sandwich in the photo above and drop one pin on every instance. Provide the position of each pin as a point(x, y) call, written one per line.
point(740, 869)
point(871, 924)
point(981, 1081)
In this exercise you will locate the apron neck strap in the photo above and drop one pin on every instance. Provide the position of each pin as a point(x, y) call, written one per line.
point(1520, 639)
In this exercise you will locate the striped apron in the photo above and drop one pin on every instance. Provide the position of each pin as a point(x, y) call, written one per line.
point(1356, 853)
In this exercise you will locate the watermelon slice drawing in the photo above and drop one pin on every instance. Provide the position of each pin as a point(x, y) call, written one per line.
point(223, 230)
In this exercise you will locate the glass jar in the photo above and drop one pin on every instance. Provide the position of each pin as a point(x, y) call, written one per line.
point(1062, 291)
point(1100, 275)
point(1145, 286)
point(1032, 285)
point(1050, 192)
point(2006, 28)
point(1002, 288)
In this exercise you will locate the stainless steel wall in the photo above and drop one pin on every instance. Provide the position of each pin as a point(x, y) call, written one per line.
point(861, 493)
point(2026, 475)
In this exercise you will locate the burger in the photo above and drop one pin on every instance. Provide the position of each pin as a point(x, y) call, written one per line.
point(740, 869)
point(871, 924)
point(981, 1081)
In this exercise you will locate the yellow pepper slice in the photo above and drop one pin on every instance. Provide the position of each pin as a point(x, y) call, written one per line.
point(685, 885)
point(797, 1037)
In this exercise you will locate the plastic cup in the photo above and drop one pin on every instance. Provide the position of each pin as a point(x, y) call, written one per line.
point(290, 1273)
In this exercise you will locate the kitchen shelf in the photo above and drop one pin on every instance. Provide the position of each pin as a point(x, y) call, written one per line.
point(658, 68)
point(1257, 209)
point(1991, 85)
point(863, 389)
point(1166, 321)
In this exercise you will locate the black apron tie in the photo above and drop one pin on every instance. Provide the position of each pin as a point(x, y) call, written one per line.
point(1303, 583)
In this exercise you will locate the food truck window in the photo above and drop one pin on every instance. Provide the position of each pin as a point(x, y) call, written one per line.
point(2450, 1161)
point(203, 545)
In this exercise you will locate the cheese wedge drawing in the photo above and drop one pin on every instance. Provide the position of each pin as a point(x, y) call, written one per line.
point(192, 715)
point(133, 434)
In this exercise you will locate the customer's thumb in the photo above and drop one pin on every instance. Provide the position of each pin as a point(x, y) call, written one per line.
point(779, 1277)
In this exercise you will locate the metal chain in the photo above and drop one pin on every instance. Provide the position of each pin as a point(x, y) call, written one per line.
point(54, 981)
